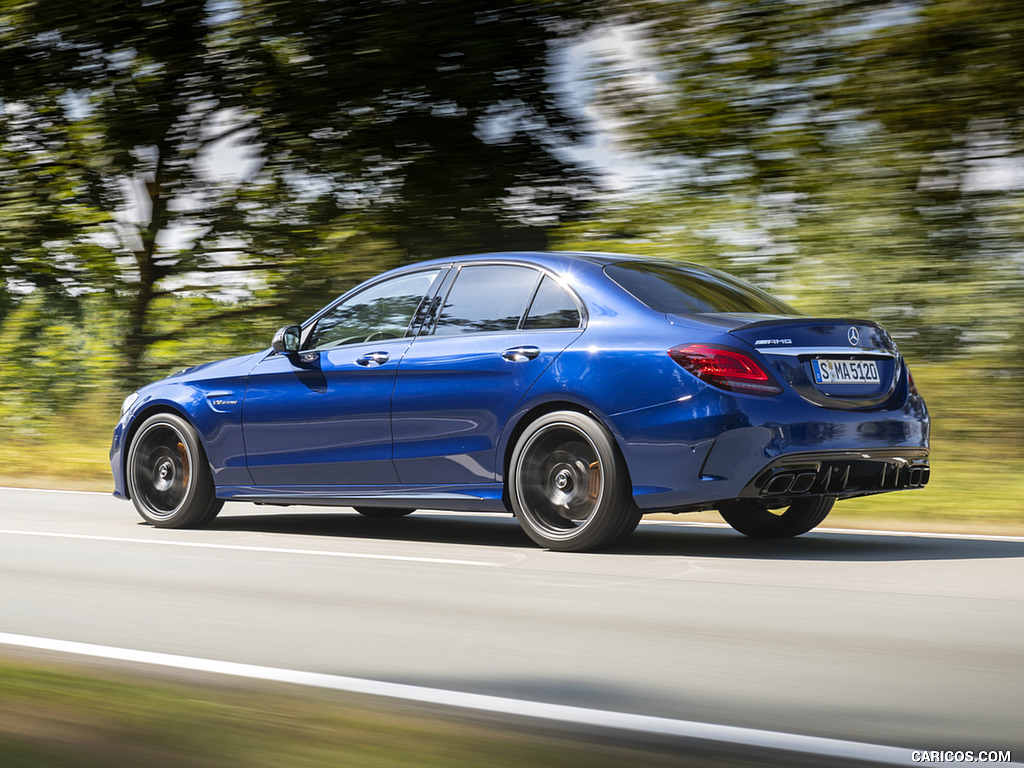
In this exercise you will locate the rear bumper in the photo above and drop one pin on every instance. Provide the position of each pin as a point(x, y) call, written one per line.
point(713, 448)
point(839, 474)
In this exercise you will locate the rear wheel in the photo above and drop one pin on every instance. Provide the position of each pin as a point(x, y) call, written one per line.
point(169, 478)
point(758, 521)
point(569, 485)
point(383, 512)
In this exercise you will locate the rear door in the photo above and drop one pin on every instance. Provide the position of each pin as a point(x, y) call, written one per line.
point(499, 327)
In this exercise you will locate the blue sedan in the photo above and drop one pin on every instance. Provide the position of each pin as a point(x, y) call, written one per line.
point(577, 391)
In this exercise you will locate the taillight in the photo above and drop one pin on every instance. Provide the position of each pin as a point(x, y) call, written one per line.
point(910, 382)
point(725, 368)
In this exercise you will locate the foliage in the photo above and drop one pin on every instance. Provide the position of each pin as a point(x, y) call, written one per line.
point(437, 121)
point(830, 146)
point(362, 133)
point(59, 354)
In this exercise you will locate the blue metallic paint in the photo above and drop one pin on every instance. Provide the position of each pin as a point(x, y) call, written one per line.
point(336, 427)
point(433, 427)
point(194, 394)
point(453, 397)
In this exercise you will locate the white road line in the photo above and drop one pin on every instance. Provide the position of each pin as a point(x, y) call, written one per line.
point(858, 531)
point(680, 523)
point(662, 726)
point(242, 548)
point(923, 535)
point(53, 490)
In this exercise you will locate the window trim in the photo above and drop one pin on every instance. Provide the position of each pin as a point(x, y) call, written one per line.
point(308, 326)
point(456, 269)
point(536, 290)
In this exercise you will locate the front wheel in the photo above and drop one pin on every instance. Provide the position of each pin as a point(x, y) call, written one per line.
point(169, 479)
point(758, 521)
point(569, 486)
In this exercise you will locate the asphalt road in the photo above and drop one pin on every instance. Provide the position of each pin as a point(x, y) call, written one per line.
point(905, 640)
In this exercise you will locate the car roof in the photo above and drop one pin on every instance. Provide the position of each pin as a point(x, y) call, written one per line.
point(557, 260)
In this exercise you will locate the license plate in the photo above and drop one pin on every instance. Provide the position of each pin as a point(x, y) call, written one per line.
point(845, 371)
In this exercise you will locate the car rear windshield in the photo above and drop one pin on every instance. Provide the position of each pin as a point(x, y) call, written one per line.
point(679, 289)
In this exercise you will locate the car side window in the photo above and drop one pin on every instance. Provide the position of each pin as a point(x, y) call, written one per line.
point(382, 311)
point(552, 307)
point(486, 298)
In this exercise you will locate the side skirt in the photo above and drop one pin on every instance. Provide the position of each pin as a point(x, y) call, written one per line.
point(475, 498)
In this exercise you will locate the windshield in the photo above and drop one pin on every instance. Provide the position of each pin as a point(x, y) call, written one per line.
point(686, 289)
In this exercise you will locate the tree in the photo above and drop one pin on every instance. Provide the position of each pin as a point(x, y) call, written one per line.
point(439, 119)
point(841, 145)
point(364, 133)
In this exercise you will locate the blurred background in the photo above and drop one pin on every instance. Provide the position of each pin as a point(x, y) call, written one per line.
point(179, 178)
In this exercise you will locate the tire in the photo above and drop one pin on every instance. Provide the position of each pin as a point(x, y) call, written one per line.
point(757, 521)
point(169, 478)
point(381, 513)
point(569, 485)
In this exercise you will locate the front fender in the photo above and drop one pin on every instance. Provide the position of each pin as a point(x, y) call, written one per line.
point(215, 412)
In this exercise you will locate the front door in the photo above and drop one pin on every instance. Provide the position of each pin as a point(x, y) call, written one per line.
point(322, 417)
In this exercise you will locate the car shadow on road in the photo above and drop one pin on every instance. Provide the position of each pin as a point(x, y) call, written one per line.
point(475, 530)
point(823, 545)
point(651, 539)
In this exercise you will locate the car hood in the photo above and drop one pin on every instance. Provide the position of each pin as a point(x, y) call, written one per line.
point(232, 366)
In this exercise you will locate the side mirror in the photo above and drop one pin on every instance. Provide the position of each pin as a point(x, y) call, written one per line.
point(287, 339)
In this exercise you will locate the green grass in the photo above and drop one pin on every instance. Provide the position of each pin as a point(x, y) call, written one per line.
point(60, 717)
point(67, 449)
point(962, 496)
point(977, 458)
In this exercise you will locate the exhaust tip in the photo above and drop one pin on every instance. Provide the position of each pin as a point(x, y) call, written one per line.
point(803, 482)
point(919, 476)
point(779, 484)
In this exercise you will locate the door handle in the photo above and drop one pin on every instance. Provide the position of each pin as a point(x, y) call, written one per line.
point(521, 354)
point(373, 358)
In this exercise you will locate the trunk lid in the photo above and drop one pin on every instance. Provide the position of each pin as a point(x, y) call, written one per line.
point(835, 363)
